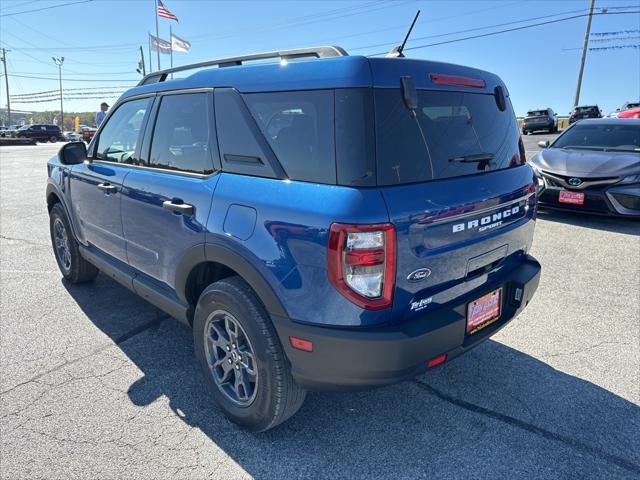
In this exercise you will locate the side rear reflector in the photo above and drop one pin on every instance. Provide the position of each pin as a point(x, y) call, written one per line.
point(437, 361)
point(457, 80)
point(301, 344)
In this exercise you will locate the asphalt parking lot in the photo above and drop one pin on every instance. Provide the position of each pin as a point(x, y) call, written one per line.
point(97, 383)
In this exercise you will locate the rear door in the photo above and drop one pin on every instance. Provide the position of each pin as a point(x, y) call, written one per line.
point(165, 204)
point(96, 187)
point(456, 187)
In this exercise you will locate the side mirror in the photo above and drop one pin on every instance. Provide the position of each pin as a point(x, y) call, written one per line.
point(73, 153)
point(543, 144)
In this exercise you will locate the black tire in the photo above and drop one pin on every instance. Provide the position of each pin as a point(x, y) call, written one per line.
point(276, 396)
point(75, 268)
point(53, 139)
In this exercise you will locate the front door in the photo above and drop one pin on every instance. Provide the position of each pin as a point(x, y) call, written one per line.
point(96, 186)
point(166, 205)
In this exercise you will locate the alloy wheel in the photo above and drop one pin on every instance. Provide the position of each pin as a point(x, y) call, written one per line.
point(231, 358)
point(61, 241)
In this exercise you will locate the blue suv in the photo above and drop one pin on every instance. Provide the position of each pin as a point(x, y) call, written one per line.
point(322, 221)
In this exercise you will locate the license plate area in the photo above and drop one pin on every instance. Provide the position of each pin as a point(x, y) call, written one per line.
point(484, 311)
point(574, 198)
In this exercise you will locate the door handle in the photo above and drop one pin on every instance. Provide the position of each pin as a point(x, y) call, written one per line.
point(181, 208)
point(107, 188)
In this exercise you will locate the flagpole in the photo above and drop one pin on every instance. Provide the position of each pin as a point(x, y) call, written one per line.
point(150, 57)
point(155, 12)
point(171, 47)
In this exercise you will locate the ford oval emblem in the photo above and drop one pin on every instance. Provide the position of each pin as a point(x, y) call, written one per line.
point(419, 275)
point(574, 181)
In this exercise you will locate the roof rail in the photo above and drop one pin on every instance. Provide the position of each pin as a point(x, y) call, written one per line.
point(313, 52)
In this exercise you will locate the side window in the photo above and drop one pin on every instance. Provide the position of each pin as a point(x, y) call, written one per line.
point(119, 137)
point(299, 126)
point(243, 148)
point(181, 137)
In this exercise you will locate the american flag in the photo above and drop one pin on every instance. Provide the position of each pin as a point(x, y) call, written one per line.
point(164, 12)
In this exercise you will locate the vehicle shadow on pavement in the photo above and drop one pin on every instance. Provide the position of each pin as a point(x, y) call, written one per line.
point(628, 226)
point(495, 412)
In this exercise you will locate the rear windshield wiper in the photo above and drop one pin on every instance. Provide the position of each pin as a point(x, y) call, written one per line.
point(476, 158)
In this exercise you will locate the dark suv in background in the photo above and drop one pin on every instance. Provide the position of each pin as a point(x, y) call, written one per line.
point(537, 120)
point(590, 111)
point(40, 133)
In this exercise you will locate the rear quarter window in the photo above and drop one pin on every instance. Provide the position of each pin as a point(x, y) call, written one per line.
point(299, 126)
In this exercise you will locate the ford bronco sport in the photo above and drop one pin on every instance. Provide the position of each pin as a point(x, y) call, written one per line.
point(325, 222)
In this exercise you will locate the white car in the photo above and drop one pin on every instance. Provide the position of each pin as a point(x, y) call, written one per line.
point(72, 137)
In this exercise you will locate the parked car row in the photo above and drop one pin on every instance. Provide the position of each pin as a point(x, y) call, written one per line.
point(546, 120)
point(47, 133)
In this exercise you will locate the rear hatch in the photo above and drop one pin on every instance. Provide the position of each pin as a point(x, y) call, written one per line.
point(536, 117)
point(456, 187)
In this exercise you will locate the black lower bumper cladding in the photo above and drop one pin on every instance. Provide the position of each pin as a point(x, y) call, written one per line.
point(345, 359)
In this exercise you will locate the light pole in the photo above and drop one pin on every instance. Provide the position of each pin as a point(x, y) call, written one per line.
point(59, 61)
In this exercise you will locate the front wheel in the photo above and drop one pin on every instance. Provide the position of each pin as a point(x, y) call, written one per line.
point(73, 266)
point(243, 363)
point(53, 139)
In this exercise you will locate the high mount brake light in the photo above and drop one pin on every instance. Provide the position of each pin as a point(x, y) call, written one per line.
point(457, 80)
point(361, 263)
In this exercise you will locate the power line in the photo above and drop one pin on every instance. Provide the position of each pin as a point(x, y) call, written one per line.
point(72, 90)
point(136, 80)
point(65, 93)
point(91, 74)
point(45, 8)
point(513, 22)
point(507, 30)
point(20, 4)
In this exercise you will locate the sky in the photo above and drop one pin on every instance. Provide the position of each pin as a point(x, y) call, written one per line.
point(100, 40)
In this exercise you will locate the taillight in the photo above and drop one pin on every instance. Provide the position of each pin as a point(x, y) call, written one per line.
point(523, 155)
point(361, 263)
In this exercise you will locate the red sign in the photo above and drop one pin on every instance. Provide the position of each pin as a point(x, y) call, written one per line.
point(575, 198)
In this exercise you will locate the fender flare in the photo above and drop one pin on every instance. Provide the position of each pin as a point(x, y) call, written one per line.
point(230, 258)
point(52, 188)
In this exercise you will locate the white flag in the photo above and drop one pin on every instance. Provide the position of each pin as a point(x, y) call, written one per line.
point(159, 44)
point(180, 45)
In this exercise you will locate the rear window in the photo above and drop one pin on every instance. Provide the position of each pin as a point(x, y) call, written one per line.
point(536, 113)
point(586, 109)
point(454, 134)
point(585, 136)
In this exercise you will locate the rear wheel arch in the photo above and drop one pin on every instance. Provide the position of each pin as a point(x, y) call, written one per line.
point(205, 264)
point(52, 199)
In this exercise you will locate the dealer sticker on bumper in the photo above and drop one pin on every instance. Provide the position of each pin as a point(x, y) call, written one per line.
point(575, 198)
point(484, 311)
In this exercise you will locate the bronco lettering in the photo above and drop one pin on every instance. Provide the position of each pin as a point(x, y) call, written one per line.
point(487, 220)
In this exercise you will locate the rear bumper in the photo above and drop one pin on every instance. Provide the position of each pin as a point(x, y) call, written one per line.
point(344, 359)
point(534, 127)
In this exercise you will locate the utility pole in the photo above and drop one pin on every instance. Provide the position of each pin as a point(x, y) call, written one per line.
point(141, 67)
point(585, 47)
point(6, 79)
point(59, 61)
